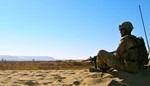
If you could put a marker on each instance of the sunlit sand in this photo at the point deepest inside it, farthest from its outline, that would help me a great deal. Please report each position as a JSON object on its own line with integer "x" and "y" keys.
{"x": 75, "y": 76}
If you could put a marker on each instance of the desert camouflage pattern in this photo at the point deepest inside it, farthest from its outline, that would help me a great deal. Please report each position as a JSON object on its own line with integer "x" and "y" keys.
{"x": 119, "y": 58}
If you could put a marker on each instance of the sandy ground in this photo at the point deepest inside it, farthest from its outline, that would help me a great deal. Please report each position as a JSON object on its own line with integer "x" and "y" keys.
{"x": 72, "y": 78}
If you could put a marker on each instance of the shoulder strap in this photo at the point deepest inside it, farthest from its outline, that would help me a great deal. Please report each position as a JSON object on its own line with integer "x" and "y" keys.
{"x": 134, "y": 41}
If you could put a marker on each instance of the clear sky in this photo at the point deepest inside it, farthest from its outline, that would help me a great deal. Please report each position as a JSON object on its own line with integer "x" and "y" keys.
{"x": 67, "y": 29}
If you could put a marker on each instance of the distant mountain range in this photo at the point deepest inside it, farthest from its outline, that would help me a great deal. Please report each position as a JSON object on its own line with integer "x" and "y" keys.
{"x": 26, "y": 58}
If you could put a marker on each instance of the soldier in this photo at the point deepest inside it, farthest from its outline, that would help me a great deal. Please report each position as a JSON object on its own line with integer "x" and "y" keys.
{"x": 124, "y": 58}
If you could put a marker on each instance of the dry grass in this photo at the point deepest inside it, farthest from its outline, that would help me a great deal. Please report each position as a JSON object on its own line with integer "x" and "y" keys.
{"x": 44, "y": 65}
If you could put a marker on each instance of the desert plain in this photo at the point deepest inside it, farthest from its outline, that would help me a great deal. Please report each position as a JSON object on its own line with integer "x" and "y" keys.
{"x": 66, "y": 73}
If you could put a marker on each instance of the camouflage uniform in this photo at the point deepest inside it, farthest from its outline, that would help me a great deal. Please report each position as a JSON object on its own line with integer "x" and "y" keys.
{"x": 117, "y": 59}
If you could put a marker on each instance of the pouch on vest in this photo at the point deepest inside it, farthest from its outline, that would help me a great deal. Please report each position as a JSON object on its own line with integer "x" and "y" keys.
{"x": 131, "y": 67}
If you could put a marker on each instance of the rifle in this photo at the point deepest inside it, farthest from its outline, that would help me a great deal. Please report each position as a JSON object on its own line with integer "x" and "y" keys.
{"x": 92, "y": 60}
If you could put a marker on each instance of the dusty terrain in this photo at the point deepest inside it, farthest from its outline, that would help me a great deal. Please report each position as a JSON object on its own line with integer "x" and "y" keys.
{"x": 66, "y": 73}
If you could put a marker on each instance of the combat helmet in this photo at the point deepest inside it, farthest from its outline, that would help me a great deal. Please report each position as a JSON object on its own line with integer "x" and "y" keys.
{"x": 126, "y": 25}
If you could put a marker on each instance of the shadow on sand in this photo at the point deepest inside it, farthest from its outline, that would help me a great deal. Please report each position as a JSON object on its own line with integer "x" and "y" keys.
{"x": 139, "y": 79}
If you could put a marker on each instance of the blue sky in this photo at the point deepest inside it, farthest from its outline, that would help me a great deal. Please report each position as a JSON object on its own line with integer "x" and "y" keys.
{"x": 67, "y": 29}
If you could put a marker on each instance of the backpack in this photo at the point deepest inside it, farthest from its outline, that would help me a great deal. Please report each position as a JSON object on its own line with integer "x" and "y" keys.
{"x": 141, "y": 59}
{"x": 142, "y": 51}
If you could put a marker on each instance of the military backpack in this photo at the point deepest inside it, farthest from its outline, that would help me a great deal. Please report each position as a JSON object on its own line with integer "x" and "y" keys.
{"x": 142, "y": 51}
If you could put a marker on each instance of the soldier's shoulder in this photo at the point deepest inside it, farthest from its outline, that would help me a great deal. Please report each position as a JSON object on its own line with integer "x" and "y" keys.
{"x": 126, "y": 37}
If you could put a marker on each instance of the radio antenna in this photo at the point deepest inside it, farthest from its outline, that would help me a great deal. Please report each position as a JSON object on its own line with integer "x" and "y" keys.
{"x": 144, "y": 29}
